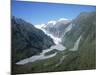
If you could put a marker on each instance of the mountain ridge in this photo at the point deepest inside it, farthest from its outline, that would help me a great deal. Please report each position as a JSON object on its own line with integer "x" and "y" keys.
{"x": 27, "y": 40}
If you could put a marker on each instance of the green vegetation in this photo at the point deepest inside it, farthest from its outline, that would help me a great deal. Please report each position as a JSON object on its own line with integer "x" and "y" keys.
{"x": 82, "y": 59}
{"x": 27, "y": 40}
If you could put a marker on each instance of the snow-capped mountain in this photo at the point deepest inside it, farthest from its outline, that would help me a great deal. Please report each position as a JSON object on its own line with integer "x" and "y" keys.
{"x": 54, "y": 27}
{"x": 77, "y": 50}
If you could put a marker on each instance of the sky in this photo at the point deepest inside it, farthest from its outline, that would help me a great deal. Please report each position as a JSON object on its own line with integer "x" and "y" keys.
{"x": 38, "y": 13}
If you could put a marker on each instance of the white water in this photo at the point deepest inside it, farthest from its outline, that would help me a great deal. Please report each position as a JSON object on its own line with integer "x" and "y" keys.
{"x": 42, "y": 55}
{"x": 75, "y": 48}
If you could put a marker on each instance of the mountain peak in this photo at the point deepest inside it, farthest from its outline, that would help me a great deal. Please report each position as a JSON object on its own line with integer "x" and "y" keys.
{"x": 52, "y": 22}
{"x": 63, "y": 19}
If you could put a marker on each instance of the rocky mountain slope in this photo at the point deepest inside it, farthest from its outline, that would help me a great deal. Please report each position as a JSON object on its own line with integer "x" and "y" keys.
{"x": 80, "y": 52}
{"x": 56, "y": 28}
{"x": 27, "y": 40}
{"x": 84, "y": 25}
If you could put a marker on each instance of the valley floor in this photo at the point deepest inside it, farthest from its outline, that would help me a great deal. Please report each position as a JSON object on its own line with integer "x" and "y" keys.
{"x": 62, "y": 60}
